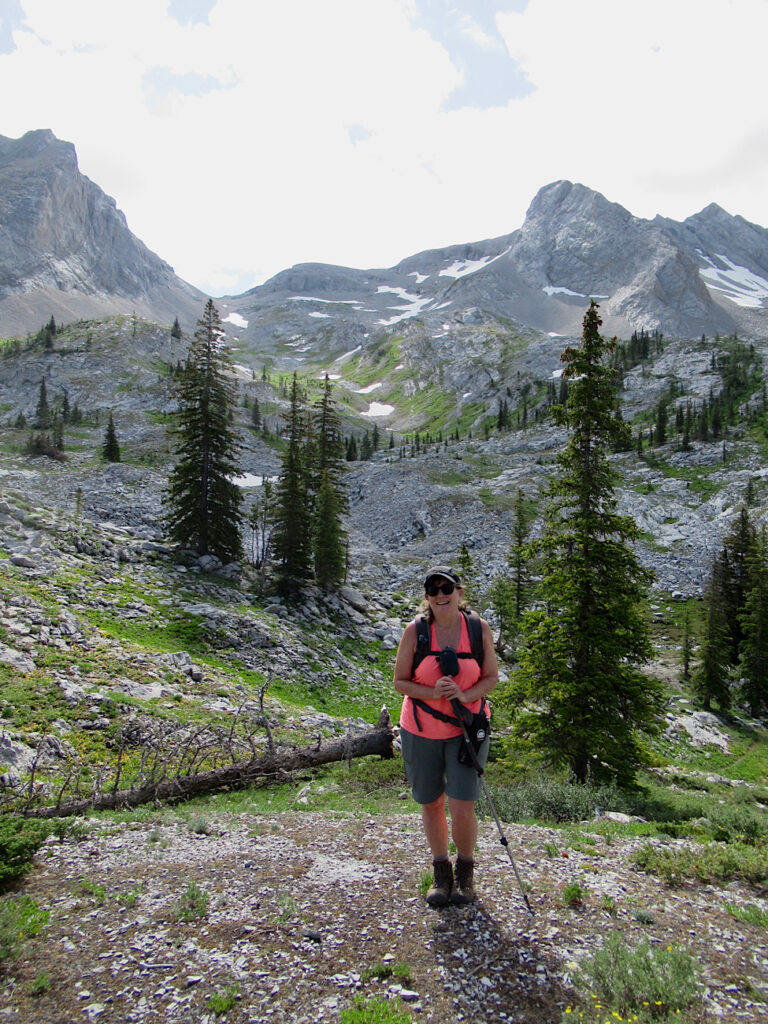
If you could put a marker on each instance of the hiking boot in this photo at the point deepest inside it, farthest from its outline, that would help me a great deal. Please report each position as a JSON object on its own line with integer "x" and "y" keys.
{"x": 440, "y": 891}
{"x": 464, "y": 891}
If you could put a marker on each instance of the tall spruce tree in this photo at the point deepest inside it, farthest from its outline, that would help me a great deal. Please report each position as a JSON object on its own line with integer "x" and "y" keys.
{"x": 42, "y": 419}
{"x": 110, "y": 449}
{"x": 332, "y": 503}
{"x": 202, "y": 500}
{"x": 711, "y": 679}
{"x": 739, "y": 549}
{"x": 587, "y": 700}
{"x": 328, "y": 536}
{"x": 754, "y": 648}
{"x": 292, "y": 533}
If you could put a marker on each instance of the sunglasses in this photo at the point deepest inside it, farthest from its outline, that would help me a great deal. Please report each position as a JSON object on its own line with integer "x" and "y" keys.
{"x": 444, "y": 588}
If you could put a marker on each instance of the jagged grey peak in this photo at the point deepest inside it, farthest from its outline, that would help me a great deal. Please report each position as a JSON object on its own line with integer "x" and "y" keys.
{"x": 574, "y": 241}
{"x": 66, "y": 248}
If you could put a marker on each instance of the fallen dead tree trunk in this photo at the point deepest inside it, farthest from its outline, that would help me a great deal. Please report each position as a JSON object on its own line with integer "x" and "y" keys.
{"x": 377, "y": 741}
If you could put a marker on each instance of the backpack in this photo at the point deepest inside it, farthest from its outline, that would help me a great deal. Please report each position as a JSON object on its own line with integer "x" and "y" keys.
{"x": 424, "y": 639}
{"x": 423, "y": 650}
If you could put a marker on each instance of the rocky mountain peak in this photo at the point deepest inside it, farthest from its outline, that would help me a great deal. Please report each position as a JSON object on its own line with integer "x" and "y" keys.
{"x": 66, "y": 248}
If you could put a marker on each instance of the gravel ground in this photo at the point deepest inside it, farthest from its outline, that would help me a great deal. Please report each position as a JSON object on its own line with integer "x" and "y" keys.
{"x": 301, "y": 905}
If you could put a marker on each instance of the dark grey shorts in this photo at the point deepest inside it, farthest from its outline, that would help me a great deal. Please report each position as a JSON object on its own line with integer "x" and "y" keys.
{"x": 432, "y": 768}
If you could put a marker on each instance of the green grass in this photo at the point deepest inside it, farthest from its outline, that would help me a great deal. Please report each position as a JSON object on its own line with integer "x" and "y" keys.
{"x": 192, "y": 905}
{"x": 384, "y": 971}
{"x": 20, "y": 919}
{"x": 222, "y": 1002}
{"x": 711, "y": 863}
{"x": 750, "y": 913}
{"x": 374, "y": 1011}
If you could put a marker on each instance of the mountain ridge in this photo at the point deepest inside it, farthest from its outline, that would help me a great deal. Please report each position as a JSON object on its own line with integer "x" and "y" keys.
{"x": 66, "y": 249}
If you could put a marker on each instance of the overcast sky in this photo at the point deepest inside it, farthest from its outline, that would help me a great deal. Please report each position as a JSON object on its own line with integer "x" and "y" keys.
{"x": 240, "y": 137}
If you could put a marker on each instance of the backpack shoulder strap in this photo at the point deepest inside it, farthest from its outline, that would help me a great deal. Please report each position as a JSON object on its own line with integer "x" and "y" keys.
{"x": 423, "y": 641}
{"x": 475, "y": 630}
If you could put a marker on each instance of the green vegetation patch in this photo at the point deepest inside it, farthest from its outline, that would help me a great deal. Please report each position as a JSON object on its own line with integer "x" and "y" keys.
{"x": 716, "y": 863}
{"x": 20, "y": 919}
{"x": 640, "y": 983}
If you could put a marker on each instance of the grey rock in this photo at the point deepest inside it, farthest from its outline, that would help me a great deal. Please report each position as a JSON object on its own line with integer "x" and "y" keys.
{"x": 354, "y": 597}
{"x": 14, "y": 754}
{"x": 17, "y": 660}
{"x": 24, "y": 561}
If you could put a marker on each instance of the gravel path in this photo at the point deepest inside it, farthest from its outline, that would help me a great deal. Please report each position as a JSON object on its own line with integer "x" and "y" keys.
{"x": 306, "y": 911}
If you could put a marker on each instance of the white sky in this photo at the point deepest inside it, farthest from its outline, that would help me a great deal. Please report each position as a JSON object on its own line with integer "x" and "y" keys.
{"x": 240, "y": 137}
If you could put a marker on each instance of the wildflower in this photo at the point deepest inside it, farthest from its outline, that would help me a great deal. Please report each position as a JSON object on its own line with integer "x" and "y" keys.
{"x": 567, "y": 1009}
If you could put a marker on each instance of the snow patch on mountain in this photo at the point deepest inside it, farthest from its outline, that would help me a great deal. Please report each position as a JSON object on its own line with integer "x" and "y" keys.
{"x": 379, "y": 409}
{"x": 236, "y": 320}
{"x": 739, "y": 284}
{"x": 551, "y": 290}
{"x": 330, "y": 302}
{"x": 415, "y": 305}
{"x": 461, "y": 268}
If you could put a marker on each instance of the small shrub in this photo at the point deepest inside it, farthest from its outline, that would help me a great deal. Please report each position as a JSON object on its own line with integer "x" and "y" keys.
{"x": 193, "y": 905}
{"x": 20, "y": 838}
{"x": 382, "y": 972}
{"x": 546, "y": 799}
{"x": 737, "y": 823}
{"x": 199, "y": 826}
{"x": 374, "y": 1011}
{"x": 20, "y": 919}
{"x": 573, "y": 894}
{"x": 642, "y": 984}
{"x": 129, "y": 898}
{"x": 644, "y": 917}
{"x": 425, "y": 882}
{"x": 95, "y": 890}
{"x": 41, "y": 984}
{"x": 222, "y": 1002}
{"x": 609, "y": 905}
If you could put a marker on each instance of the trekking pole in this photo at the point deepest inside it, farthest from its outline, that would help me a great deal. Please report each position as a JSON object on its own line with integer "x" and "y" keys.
{"x": 461, "y": 711}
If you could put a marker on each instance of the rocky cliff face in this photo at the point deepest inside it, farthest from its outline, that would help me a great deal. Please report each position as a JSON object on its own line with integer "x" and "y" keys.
{"x": 66, "y": 249}
{"x": 706, "y": 275}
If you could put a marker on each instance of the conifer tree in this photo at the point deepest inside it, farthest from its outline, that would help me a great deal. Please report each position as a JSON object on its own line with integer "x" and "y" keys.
{"x": 739, "y": 549}
{"x": 754, "y": 648}
{"x": 464, "y": 563}
{"x": 329, "y": 537}
{"x": 710, "y": 681}
{"x": 292, "y": 534}
{"x": 42, "y": 410}
{"x": 587, "y": 698}
{"x": 331, "y": 502}
{"x": 110, "y": 449}
{"x": 255, "y": 414}
{"x": 203, "y": 503}
{"x": 176, "y": 329}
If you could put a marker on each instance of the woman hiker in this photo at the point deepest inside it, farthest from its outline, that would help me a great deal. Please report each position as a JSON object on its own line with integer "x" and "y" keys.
{"x": 431, "y": 745}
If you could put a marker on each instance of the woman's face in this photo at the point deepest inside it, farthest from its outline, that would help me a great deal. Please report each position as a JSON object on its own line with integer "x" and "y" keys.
{"x": 441, "y": 600}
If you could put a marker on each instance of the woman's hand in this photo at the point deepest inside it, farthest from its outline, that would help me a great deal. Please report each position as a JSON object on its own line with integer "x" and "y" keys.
{"x": 447, "y": 687}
